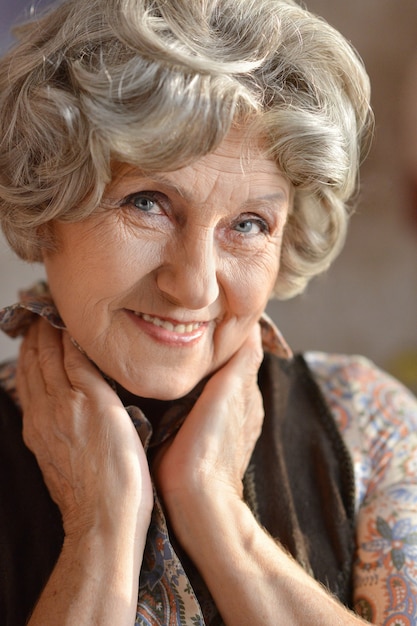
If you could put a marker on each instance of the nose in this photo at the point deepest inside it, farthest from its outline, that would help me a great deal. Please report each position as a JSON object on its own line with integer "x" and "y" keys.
{"x": 188, "y": 275}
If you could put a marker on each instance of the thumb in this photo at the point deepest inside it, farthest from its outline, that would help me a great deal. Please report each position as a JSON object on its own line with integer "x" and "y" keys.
{"x": 248, "y": 358}
{"x": 242, "y": 367}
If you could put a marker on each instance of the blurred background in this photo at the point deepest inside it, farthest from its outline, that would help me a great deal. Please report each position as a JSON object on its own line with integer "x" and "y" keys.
{"x": 367, "y": 302}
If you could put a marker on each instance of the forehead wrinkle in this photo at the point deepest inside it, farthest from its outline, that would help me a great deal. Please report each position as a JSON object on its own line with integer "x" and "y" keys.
{"x": 279, "y": 198}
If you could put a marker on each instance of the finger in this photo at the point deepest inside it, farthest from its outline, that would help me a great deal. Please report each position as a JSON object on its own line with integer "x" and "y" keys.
{"x": 29, "y": 344}
{"x": 41, "y": 376}
{"x": 81, "y": 372}
{"x": 250, "y": 355}
{"x": 242, "y": 366}
{"x": 40, "y": 360}
{"x": 28, "y": 375}
{"x": 50, "y": 351}
{"x": 61, "y": 363}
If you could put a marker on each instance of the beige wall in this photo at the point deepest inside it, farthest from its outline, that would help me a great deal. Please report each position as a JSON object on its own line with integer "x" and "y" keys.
{"x": 367, "y": 302}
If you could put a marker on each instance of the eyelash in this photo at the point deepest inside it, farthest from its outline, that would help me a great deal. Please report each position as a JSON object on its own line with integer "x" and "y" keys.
{"x": 152, "y": 196}
{"x": 261, "y": 223}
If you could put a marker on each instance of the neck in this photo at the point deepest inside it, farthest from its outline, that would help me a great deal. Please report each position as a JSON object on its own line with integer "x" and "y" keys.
{"x": 152, "y": 408}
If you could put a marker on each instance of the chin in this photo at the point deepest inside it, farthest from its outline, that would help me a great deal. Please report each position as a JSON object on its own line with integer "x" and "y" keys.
{"x": 165, "y": 392}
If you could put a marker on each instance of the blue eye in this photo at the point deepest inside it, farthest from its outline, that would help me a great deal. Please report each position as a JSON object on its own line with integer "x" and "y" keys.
{"x": 143, "y": 203}
{"x": 146, "y": 202}
{"x": 251, "y": 226}
{"x": 245, "y": 226}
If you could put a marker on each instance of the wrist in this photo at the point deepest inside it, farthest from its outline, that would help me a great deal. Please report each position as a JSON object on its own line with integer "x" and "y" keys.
{"x": 95, "y": 580}
{"x": 110, "y": 518}
{"x": 205, "y": 518}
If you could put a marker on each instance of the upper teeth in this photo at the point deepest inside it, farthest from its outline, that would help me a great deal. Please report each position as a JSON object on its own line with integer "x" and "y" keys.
{"x": 177, "y": 328}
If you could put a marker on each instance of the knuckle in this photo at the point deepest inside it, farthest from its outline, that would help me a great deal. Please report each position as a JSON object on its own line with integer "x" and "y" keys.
{"x": 27, "y": 358}
{"x": 48, "y": 357}
{"x": 72, "y": 364}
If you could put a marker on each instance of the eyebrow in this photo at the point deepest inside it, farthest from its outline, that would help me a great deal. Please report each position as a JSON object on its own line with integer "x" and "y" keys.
{"x": 169, "y": 184}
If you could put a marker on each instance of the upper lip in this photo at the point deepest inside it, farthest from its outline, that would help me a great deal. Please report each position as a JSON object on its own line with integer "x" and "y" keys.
{"x": 173, "y": 320}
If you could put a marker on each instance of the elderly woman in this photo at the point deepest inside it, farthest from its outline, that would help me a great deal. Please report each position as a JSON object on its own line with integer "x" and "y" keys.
{"x": 174, "y": 165}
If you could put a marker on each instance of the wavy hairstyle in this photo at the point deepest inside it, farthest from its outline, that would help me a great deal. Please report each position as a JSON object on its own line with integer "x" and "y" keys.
{"x": 158, "y": 84}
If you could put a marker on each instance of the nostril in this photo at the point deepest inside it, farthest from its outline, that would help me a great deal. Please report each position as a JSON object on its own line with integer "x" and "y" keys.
{"x": 188, "y": 286}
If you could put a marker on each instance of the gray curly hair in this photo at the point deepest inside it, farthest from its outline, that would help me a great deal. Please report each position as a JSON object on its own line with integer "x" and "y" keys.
{"x": 158, "y": 84}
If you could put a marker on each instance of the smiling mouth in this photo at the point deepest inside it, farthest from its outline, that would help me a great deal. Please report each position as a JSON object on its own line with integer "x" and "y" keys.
{"x": 181, "y": 329}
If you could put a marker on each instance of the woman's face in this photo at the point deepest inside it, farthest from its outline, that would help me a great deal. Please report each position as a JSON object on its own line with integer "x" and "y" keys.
{"x": 162, "y": 284}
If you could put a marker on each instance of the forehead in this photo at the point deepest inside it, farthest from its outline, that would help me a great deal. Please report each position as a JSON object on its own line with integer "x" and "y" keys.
{"x": 236, "y": 168}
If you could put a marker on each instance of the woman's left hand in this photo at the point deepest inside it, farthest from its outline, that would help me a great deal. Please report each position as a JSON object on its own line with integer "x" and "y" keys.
{"x": 199, "y": 477}
{"x": 209, "y": 455}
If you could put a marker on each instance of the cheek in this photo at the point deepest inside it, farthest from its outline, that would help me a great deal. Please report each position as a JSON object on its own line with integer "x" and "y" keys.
{"x": 98, "y": 256}
{"x": 252, "y": 283}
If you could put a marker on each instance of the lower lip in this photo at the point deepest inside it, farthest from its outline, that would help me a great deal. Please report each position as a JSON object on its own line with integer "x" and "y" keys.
{"x": 162, "y": 335}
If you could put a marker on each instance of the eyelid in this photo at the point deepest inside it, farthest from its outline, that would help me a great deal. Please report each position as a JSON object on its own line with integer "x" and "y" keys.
{"x": 156, "y": 196}
{"x": 263, "y": 223}
{"x": 146, "y": 192}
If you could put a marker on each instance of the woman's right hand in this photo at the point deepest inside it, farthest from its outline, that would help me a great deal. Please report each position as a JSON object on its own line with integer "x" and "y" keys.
{"x": 95, "y": 468}
{"x": 85, "y": 443}
{"x": 88, "y": 450}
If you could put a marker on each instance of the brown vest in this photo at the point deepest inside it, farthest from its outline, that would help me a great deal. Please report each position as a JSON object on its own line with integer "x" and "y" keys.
{"x": 300, "y": 479}
{"x": 299, "y": 485}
